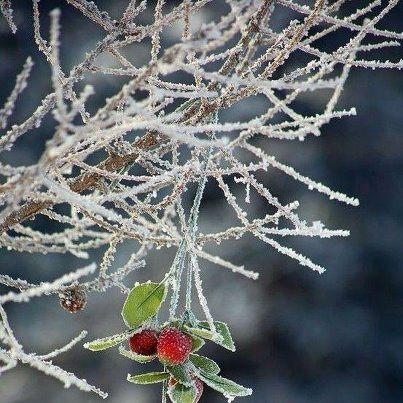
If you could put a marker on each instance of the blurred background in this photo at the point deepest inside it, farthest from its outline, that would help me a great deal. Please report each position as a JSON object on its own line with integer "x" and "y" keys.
{"x": 301, "y": 337}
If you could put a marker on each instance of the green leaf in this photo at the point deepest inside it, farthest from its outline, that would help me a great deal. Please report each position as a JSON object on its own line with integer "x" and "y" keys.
{"x": 182, "y": 394}
{"x": 223, "y": 331}
{"x": 205, "y": 364}
{"x": 142, "y": 303}
{"x": 225, "y": 386}
{"x": 206, "y": 334}
{"x": 136, "y": 357}
{"x": 224, "y": 339}
{"x": 197, "y": 342}
{"x": 151, "y": 377}
{"x": 180, "y": 374}
{"x": 106, "y": 342}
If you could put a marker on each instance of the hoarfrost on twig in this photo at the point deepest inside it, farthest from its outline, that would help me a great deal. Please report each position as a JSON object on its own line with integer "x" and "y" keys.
{"x": 162, "y": 134}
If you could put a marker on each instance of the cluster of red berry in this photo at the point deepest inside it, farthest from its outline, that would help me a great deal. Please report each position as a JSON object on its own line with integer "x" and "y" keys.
{"x": 174, "y": 344}
{"x": 171, "y": 346}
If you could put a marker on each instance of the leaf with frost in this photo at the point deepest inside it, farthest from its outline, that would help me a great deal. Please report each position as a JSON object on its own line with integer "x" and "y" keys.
{"x": 180, "y": 393}
{"x": 142, "y": 303}
{"x": 224, "y": 386}
{"x": 204, "y": 364}
{"x": 106, "y": 342}
{"x": 197, "y": 342}
{"x": 222, "y": 336}
{"x": 136, "y": 357}
{"x": 200, "y": 332}
{"x": 224, "y": 332}
{"x": 146, "y": 379}
{"x": 181, "y": 374}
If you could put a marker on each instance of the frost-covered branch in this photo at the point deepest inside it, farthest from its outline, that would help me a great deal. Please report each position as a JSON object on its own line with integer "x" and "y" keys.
{"x": 161, "y": 134}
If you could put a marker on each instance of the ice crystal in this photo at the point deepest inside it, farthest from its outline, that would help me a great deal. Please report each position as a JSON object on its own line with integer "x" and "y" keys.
{"x": 137, "y": 191}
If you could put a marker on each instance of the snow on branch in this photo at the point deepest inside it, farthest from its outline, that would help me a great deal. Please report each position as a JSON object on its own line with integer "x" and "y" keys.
{"x": 20, "y": 84}
{"x": 7, "y": 11}
{"x": 163, "y": 132}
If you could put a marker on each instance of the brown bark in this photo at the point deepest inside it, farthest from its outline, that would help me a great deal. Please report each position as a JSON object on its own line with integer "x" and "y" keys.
{"x": 83, "y": 182}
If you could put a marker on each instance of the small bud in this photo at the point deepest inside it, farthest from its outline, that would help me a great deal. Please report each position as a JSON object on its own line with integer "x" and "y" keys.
{"x": 73, "y": 299}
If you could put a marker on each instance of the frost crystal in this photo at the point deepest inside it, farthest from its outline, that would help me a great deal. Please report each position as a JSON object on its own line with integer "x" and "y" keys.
{"x": 137, "y": 192}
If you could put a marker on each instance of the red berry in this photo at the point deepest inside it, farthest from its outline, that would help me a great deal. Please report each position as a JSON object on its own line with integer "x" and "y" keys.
{"x": 197, "y": 383}
{"x": 173, "y": 346}
{"x": 144, "y": 343}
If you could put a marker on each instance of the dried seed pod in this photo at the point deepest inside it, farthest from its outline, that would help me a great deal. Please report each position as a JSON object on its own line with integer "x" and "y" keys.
{"x": 73, "y": 299}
